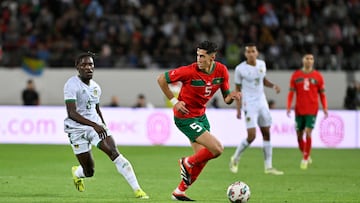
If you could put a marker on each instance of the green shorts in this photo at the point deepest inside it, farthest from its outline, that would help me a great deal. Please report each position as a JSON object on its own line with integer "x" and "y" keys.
{"x": 193, "y": 127}
{"x": 306, "y": 121}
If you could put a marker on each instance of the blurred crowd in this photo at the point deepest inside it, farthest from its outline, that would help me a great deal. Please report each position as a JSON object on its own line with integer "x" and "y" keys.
{"x": 164, "y": 33}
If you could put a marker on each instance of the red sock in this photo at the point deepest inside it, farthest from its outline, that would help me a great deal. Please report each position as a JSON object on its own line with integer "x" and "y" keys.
{"x": 196, "y": 171}
{"x": 202, "y": 156}
{"x": 182, "y": 186}
{"x": 301, "y": 144}
{"x": 307, "y": 148}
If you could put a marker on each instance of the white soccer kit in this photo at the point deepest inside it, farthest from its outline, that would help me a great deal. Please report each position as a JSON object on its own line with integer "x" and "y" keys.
{"x": 86, "y": 97}
{"x": 254, "y": 103}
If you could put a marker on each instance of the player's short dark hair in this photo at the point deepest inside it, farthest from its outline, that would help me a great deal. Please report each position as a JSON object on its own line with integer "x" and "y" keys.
{"x": 210, "y": 47}
{"x": 83, "y": 55}
{"x": 250, "y": 44}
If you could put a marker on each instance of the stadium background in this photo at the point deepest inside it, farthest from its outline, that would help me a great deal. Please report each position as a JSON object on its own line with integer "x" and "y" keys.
{"x": 136, "y": 40}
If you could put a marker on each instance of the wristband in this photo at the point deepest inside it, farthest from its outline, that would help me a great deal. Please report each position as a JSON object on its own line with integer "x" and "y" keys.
{"x": 174, "y": 100}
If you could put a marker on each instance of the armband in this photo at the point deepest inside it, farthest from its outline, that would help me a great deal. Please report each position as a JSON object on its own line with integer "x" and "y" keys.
{"x": 174, "y": 100}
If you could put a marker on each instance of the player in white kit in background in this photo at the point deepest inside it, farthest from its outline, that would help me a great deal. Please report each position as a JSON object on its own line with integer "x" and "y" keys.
{"x": 250, "y": 79}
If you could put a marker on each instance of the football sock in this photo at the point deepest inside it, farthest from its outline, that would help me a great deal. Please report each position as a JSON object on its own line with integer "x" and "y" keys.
{"x": 267, "y": 149}
{"x": 181, "y": 188}
{"x": 239, "y": 149}
{"x": 307, "y": 148}
{"x": 124, "y": 167}
{"x": 79, "y": 172}
{"x": 301, "y": 144}
{"x": 196, "y": 171}
{"x": 203, "y": 155}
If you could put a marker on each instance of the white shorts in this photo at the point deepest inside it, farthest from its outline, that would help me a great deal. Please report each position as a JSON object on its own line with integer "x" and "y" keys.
{"x": 257, "y": 116}
{"x": 82, "y": 138}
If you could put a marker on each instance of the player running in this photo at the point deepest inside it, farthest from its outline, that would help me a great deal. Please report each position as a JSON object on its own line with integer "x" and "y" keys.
{"x": 200, "y": 81}
{"x": 308, "y": 84}
{"x": 85, "y": 126}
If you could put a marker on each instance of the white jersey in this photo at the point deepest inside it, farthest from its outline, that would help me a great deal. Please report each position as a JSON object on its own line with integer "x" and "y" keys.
{"x": 251, "y": 79}
{"x": 86, "y": 98}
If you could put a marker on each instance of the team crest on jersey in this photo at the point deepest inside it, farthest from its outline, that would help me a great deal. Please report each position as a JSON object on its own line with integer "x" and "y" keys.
{"x": 95, "y": 92}
{"x": 312, "y": 81}
{"x": 76, "y": 146}
{"x": 248, "y": 119}
{"x": 261, "y": 69}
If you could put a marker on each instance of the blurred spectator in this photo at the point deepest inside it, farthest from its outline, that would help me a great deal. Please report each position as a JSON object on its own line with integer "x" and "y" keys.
{"x": 351, "y": 100}
{"x": 114, "y": 102}
{"x": 272, "y": 104}
{"x": 153, "y": 34}
{"x": 142, "y": 103}
{"x": 30, "y": 96}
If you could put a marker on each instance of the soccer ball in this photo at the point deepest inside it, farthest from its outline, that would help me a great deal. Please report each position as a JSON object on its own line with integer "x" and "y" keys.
{"x": 238, "y": 192}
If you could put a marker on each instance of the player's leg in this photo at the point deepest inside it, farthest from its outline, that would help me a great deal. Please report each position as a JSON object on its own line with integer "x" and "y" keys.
{"x": 309, "y": 125}
{"x": 82, "y": 150}
{"x": 251, "y": 119}
{"x": 265, "y": 121}
{"x": 179, "y": 192}
{"x": 205, "y": 147}
{"x": 300, "y": 126}
{"x": 123, "y": 166}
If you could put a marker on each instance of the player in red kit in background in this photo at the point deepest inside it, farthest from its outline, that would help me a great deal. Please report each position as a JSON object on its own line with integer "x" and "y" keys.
{"x": 200, "y": 80}
{"x": 308, "y": 84}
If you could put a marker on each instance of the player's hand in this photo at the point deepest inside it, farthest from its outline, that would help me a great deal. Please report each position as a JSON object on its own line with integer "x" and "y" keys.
{"x": 288, "y": 111}
{"x": 277, "y": 89}
{"x": 180, "y": 107}
{"x": 101, "y": 131}
{"x": 238, "y": 114}
{"x": 326, "y": 114}
{"x": 235, "y": 95}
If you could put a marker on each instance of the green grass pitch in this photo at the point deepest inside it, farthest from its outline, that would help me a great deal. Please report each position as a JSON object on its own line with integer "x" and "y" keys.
{"x": 42, "y": 173}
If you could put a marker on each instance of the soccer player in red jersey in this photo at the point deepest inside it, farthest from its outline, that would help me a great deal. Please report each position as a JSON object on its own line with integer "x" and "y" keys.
{"x": 200, "y": 80}
{"x": 308, "y": 84}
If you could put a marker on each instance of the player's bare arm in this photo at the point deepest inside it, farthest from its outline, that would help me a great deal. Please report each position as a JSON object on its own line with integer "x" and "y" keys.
{"x": 164, "y": 86}
{"x": 74, "y": 115}
{"x": 238, "y": 102}
{"x": 269, "y": 84}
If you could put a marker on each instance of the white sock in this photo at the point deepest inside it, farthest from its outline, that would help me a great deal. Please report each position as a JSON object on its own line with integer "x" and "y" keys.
{"x": 239, "y": 150}
{"x": 178, "y": 191}
{"x": 124, "y": 167}
{"x": 80, "y": 172}
{"x": 267, "y": 149}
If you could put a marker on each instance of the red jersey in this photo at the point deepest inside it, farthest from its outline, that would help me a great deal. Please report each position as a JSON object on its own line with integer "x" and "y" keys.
{"x": 308, "y": 87}
{"x": 198, "y": 87}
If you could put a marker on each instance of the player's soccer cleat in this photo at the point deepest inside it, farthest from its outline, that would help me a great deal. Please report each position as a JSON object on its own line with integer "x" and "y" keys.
{"x": 78, "y": 182}
{"x": 181, "y": 197}
{"x": 304, "y": 164}
{"x": 185, "y": 171}
{"x": 141, "y": 194}
{"x": 233, "y": 165}
{"x": 273, "y": 171}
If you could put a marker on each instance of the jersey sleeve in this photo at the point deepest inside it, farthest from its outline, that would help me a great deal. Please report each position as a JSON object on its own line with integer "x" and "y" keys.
{"x": 292, "y": 82}
{"x": 225, "y": 86}
{"x": 69, "y": 91}
{"x": 177, "y": 74}
{"x": 237, "y": 75}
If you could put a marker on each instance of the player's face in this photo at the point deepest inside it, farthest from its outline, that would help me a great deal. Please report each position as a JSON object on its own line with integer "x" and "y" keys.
{"x": 86, "y": 68}
{"x": 251, "y": 53}
{"x": 204, "y": 60}
{"x": 308, "y": 61}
